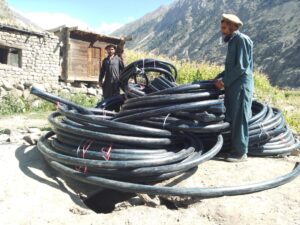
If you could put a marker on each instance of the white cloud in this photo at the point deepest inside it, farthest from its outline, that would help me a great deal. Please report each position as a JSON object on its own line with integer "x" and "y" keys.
{"x": 48, "y": 21}
{"x": 130, "y": 19}
{"x": 51, "y": 20}
{"x": 108, "y": 28}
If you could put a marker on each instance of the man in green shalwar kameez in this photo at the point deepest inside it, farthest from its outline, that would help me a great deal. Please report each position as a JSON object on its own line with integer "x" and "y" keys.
{"x": 237, "y": 79}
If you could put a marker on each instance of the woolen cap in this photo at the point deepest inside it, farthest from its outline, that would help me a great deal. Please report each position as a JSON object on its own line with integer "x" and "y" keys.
{"x": 232, "y": 18}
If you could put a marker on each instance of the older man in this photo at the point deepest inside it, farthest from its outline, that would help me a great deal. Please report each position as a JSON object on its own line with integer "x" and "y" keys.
{"x": 237, "y": 79}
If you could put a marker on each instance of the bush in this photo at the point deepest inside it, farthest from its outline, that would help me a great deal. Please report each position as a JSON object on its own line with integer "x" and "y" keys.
{"x": 286, "y": 100}
{"x": 12, "y": 105}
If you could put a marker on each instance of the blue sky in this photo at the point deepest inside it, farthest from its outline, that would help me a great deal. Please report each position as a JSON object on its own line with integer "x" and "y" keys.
{"x": 102, "y": 16}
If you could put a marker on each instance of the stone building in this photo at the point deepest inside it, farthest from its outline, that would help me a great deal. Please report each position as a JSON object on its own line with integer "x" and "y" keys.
{"x": 28, "y": 54}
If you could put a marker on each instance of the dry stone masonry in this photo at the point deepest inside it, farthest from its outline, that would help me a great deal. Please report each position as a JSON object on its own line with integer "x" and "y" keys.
{"x": 35, "y": 59}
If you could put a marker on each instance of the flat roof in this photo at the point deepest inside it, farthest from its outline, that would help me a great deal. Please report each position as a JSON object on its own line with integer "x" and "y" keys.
{"x": 78, "y": 33}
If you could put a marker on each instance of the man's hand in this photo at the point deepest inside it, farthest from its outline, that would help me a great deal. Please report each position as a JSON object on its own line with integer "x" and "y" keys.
{"x": 219, "y": 84}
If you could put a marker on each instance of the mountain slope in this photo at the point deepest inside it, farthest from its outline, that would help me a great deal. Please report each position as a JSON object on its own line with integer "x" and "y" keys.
{"x": 11, "y": 18}
{"x": 189, "y": 29}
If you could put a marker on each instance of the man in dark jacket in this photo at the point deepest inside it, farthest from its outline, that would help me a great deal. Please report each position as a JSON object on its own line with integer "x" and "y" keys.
{"x": 112, "y": 66}
{"x": 237, "y": 79}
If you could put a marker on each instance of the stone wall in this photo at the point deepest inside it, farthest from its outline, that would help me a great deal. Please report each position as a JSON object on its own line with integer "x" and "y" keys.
{"x": 39, "y": 60}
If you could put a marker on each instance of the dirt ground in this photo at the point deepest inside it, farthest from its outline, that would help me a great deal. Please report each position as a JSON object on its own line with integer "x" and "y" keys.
{"x": 32, "y": 193}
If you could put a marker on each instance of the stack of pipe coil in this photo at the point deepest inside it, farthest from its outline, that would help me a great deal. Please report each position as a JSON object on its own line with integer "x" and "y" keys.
{"x": 163, "y": 130}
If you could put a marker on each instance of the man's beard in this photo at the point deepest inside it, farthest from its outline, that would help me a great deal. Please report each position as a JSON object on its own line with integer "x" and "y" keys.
{"x": 226, "y": 38}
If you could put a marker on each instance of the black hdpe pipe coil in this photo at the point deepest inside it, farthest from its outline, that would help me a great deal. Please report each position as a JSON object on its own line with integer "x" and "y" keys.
{"x": 138, "y": 167}
{"x": 175, "y": 191}
{"x": 162, "y": 130}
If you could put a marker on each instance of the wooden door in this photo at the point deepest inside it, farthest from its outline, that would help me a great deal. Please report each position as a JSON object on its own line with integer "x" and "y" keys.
{"x": 78, "y": 55}
{"x": 94, "y": 63}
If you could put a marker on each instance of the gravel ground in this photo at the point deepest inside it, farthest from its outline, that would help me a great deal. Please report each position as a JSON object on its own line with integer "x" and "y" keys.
{"x": 32, "y": 193}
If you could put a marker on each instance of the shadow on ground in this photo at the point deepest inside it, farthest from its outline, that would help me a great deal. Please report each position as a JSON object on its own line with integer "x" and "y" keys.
{"x": 84, "y": 195}
{"x": 30, "y": 158}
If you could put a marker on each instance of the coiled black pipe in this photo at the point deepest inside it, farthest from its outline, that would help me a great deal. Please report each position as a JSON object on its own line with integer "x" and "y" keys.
{"x": 163, "y": 130}
{"x": 175, "y": 191}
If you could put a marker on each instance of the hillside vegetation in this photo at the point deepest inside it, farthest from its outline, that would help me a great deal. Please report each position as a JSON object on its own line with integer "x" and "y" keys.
{"x": 286, "y": 100}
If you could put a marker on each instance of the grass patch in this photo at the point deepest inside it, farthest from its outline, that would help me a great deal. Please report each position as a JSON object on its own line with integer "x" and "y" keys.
{"x": 286, "y": 100}
{"x": 10, "y": 104}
